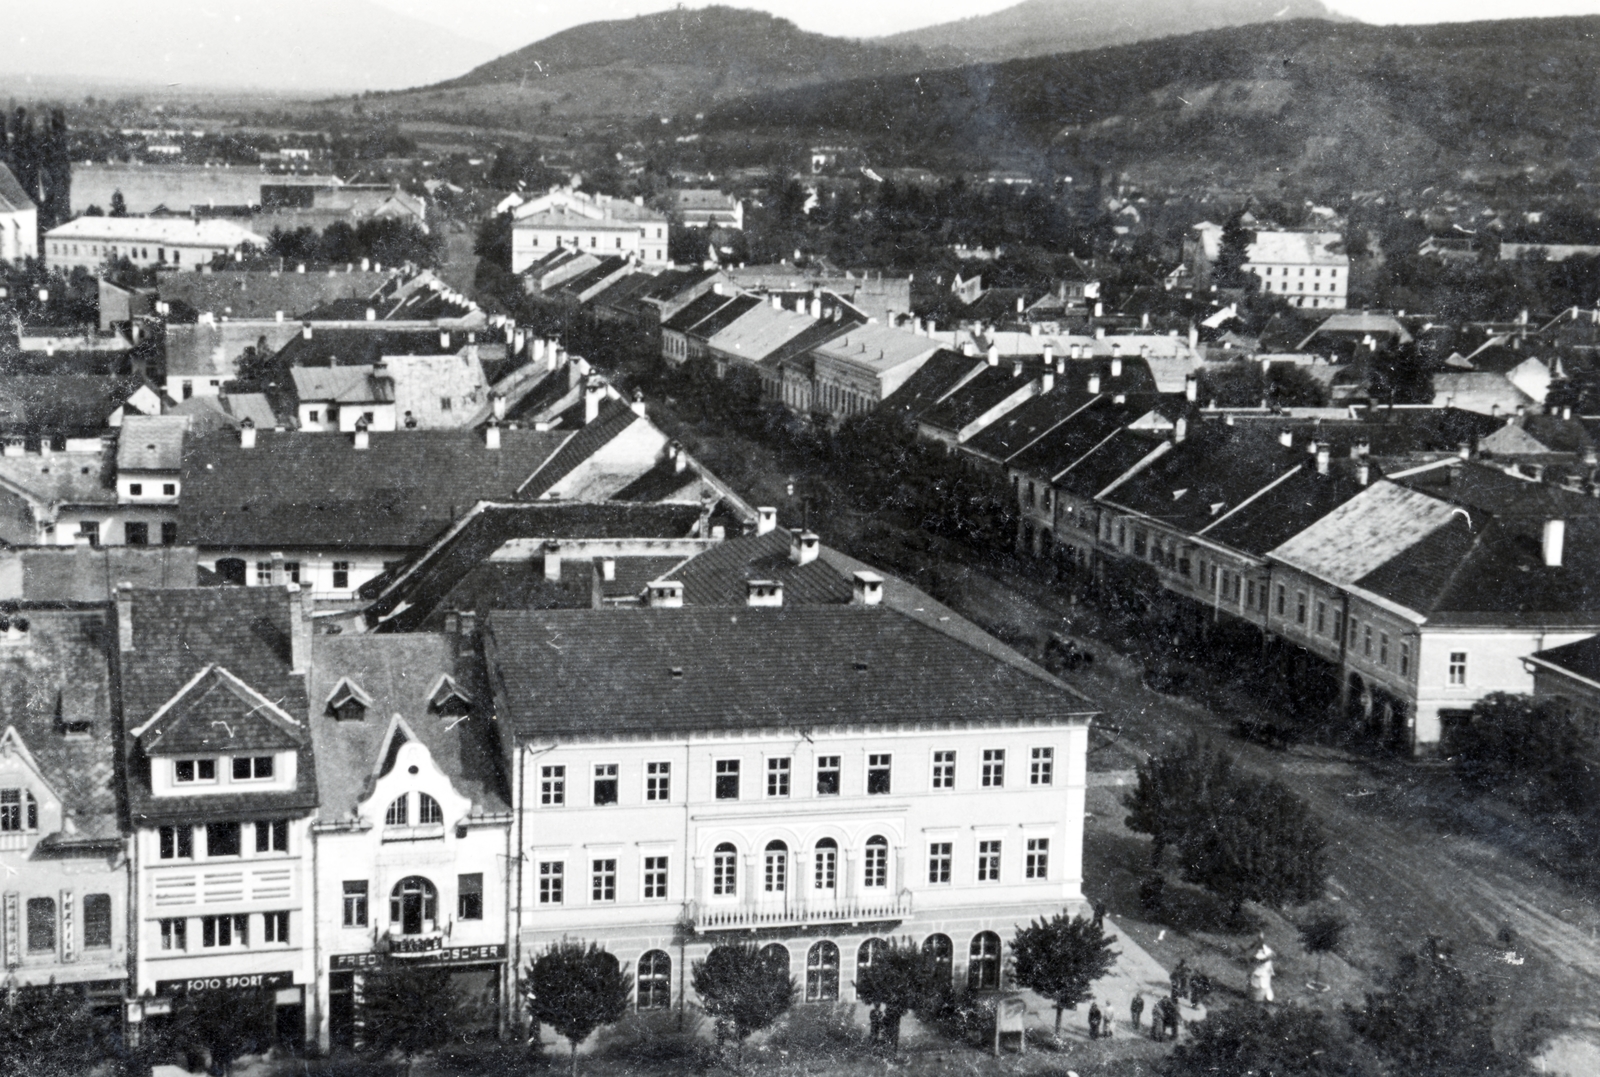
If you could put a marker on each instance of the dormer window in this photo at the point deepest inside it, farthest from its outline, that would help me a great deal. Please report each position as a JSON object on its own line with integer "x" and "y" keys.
{"x": 19, "y": 811}
{"x": 347, "y": 702}
{"x": 185, "y": 771}
{"x": 252, "y": 768}
{"x": 447, "y": 698}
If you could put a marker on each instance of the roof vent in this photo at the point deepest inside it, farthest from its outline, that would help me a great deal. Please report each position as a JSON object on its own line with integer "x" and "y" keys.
{"x": 867, "y": 589}
{"x": 1555, "y": 537}
{"x": 664, "y": 594}
{"x": 766, "y": 520}
{"x": 552, "y": 561}
{"x": 803, "y": 546}
{"x": 763, "y": 593}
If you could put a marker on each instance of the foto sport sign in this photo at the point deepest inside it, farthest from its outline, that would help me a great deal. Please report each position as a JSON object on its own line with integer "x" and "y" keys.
{"x": 249, "y": 981}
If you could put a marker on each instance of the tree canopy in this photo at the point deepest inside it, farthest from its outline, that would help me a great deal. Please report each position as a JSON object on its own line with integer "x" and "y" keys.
{"x": 901, "y": 978}
{"x": 406, "y": 1009}
{"x": 50, "y": 1032}
{"x": 575, "y": 989}
{"x": 742, "y": 990}
{"x": 1061, "y": 958}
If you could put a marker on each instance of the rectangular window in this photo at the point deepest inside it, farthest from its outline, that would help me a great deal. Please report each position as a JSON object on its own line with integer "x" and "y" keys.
{"x": 875, "y": 866}
{"x": 90, "y": 529}
{"x": 944, "y": 770}
{"x": 1338, "y": 625}
{"x": 136, "y": 534}
{"x": 1038, "y": 864}
{"x": 988, "y": 861}
{"x": 878, "y": 774}
{"x": 41, "y": 925}
{"x": 1322, "y": 616}
{"x": 1250, "y": 594}
{"x": 658, "y": 781}
{"x": 355, "y": 903}
{"x": 177, "y": 843}
{"x": 18, "y": 811}
{"x": 224, "y": 931}
{"x": 175, "y": 935}
{"x": 552, "y": 879}
{"x": 939, "y": 861}
{"x": 249, "y": 768}
{"x": 605, "y": 784}
{"x": 1405, "y": 657}
{"x": 314, "y": 416}
{"x": 169, "y": 489}
{"x": 341, "y": 575}
{"x": 169, "y": 533}
{"x": 96, "y": 921}
{"x": 263, "y": 573}
{"x": 1042, "y": 767}
{"x": 1458, "y": 668}
{"x": 777, "y": 777}
{"x": 222, "y": 839}
{"x": 655, "y": 878}
{"x": 1282, "y": 594}
{"x": 827, "y": 775}
{"x": 1366, "y": 640}
{"x": 1300, "y": 607}
{"x": 1383, "y": 648}
{"x": 727, "y": 779}
{"x": 994, "y": 768}
{"x": 444, "y": 403}
{"x": 272, "y": 836}
{"x": 275, "y": 927}
{"x": 553, "y": 785}
{"x": 194, "y": 770}
{"x": 605, "y": 880}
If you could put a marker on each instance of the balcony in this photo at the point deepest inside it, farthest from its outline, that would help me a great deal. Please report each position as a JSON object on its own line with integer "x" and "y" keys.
{"x": 745, "y": 917}
{"x": 397, "y": 945}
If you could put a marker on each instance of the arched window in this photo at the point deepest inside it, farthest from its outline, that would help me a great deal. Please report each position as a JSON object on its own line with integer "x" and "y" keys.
{"x": 822, "y": 973}
{"x": 399, "y": 813}
{"x": 983, "y": 965}
{"x": 428, "y": 810}
{"x": 942, "y": 952}
{"x": 877, "y": 862}
{"x": 655, "y": 980}
{"x": 869, "y": 952}
{"x": 776, "y": 874}
{"x": 725, "y": 870}
{"x": 414, "y": 905}
{"x": 826, "y": 875}
{"x": 776, "y": 955}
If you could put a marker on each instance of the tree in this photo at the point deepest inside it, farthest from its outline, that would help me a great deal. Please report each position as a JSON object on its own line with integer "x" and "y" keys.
{"x": 1527, "y": 750}
{"x": 1233, "y": 252}
{"x": 406, "y": 1009}
{"x": 575, "y": 989}
{"x": 1173, "y": 790}
{"x": 50, "y": 1031}
{"x": 224, "y": 1025}
{"x": 1321, "y": 935}
{"x": 1252, "y": 1041}
{"x": 119, "y": 204}
{"x": 1258, "y": 842}
{"x": 1061, "y": 958}
{"x": 1432, "y": 1020}
{"x": 902, "y": 978}
{"x": 743, "y": 991}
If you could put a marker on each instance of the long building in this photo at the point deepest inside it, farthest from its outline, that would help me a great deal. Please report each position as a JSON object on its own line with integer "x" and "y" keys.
{"x": 169, "y": 242}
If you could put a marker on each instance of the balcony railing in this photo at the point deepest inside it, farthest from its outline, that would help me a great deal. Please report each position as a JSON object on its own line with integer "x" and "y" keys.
{"x": 733, "y": 917}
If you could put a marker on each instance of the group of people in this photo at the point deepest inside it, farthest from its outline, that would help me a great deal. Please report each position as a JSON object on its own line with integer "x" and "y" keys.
{"x": 1186, "y": 983}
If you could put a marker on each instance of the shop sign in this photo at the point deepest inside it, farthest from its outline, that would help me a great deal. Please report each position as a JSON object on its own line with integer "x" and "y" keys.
{"x": 449, "y": 955}
{"x": 252, "y": 981}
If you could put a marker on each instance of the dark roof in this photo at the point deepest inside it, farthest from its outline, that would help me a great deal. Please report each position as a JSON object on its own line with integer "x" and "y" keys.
{"x": 61, "y": 675}
{"x": 979, "y": 395}
{"x": 400, "y": 673}
{"x": 214, "y": 713}
{"x": 261, "y": 294}
{"x": 91, "y": 573}
{"x": 500, "y": 585}
{"x": 624, "y": 289}
{"x": 13, "y": 199}
{"x": 179, "y": 634}
{"x": 678, "y": 671}
{"x": 1214, "y": 469}
{"x": 697, "y": 311}
{"x": 609, "y": 267}
{"x": 1072, "y": 440}
{"x": 426, "y": 584}
{"x": 942, "y": 373}
{"x": 717, "y": 577}
{"x": 662, "y": 482}
{"x": 1023, "y": 425}
{"x": 297, "y": 489}
{"x": 675, "y": 282}
{"x": 724, "y": 316}
{"x": 613, "y": 419}
{"x": 1107, "y": 461}
{"x": 363, "y": 347}
{"x": 66, "y": 405}
{"x": 813, "y": 335}
{"x": 1289, "y": 507}
{"x": 1581, "y": 659}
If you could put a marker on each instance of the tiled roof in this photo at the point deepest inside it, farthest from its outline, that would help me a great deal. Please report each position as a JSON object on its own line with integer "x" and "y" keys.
{"x": 216, "y": 712}
{"x": 74, "y": 478}
{"x": 66, "y": 405}
{"x": 614, "y": 418}
{"x": 177, "y": 635}
{"x": 297, "y": 490}
{"x": 13, "y": 199}
{"x": 664, "y": 482}
{"x": 151, "y": 443}
{"x": 696, "y": 312}
{"x": 717, "y": 577}
{"x": 1215, "y": 469}
{"x": 262, "y": 293}
{"x": 364, "y": 347}
{"x": 942, "y": 374}
{"x": 398, "y": 673}
{"x": 91, "y": 573}
{"x": 677, "y": 671}
{"x": 62, "y": 674}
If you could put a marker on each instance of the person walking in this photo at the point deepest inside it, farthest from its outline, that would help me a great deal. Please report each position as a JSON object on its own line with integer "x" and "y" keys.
{"x": 1094, "y": 1020}
{"x": 1172, "y": 1018}
{"x": 1136, "y": 1009}
{"x": 1180, "y": 979}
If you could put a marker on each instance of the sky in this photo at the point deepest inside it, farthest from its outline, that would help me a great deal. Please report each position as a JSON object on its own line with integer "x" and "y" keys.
{"x": 513, "y": 23}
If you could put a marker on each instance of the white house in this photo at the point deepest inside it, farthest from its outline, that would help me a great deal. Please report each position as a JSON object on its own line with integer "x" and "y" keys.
{"x": 175, "y": 242}
{"x": 19, "y": 220}
{"x": 594, "y": 224}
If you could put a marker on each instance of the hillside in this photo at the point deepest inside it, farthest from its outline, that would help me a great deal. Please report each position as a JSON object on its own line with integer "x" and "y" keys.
{"x": 1342, "y": 105}
{"x": 1042, "y": 27}
{"x": 668, "y": 62}
{"x": 292, "y": 45}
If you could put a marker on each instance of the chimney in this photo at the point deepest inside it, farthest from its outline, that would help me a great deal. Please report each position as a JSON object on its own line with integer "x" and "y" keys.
{"x": 766, "y": 520}
{"x": 277, "y": 315}
{"x": 1094, "y": 383}
{"x": 491, "y": 434}
{"x": 606, "y": 568}
{"x": 444, "y": 340}
{"x": 1322, "y": 459}
{"x": 300, "y": 608}
{"x": 1191, "y": 388}
{"x": 1555, "y": 536}
{"x": 372, "y": 314}
{"x": 1047, "y": 380}
{"x": 362, "y": 441}
{"x": 1019, "y": 304}
{"x": 594, "y": 390}
{"x": 552, "y": 561}
{"x": 247, "y": 433}
{"x": 968, "y": 349}
{"x": 763, "y": 593}
{"x": 1049, "y": 356}
{"x": 777, "y": 301}
{"x": 1363, "y": 473}
{"x": 124, "y": 616}
{"x": 1180, "y": 430}
{"x": 1286, "y": 438}
{"x": 803, "y": 546}
{"x": 866, "y": 589}
{"x": 816, "y": 309}
{"x": 497, "y": 403}
{"x": 680, "y": 459}
{"x": 994, "y": 355}
{"x": 664, "y": 595}
{"x": 1116, "y": 362}
{"x": 1016, "y": 368}
{"x": 305, "y": 330}
{"x": 638, "y": 403}
{"x": 277, "y": 568}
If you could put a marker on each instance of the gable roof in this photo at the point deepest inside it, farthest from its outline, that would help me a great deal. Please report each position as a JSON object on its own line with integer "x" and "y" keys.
{"x": 64, "y": 405}
{"x": 216, "y": 712}
{"x": 13, "y": 199}
{"x": 613, "y": 419}
{"x": 341, "y": 385}
{"x": 151, "y": 443}
{"x": 672, "y": 672}
{"x": 236, "y": 293}
{"x": 1580, "y": 659}
{"x": 697, "y": 311}
{"x": 717, "y": 577}
{"x": 944, "y": 372}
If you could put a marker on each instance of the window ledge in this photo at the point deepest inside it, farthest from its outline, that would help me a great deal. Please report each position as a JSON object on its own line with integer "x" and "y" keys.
{"x": 433, "y": 831}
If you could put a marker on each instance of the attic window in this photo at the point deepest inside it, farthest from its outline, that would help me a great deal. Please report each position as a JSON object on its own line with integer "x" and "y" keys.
{"x": 677, "y": 671}
{"x": 347, "y": 702}
{"x": 447, "y": 698}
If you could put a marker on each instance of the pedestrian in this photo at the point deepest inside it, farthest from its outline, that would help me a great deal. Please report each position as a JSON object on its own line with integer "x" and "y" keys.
{"x": 876, "y": 1017}
{"x": 1158, "y": 1020}
{"x": 1172, "y": 1018}
{"x": 1199, "y": 988}
{"x": 1136, "y": 1008}
{"x": 1094, "y": 1020}
{"x": 1180, "y": 979}
{"x": 1099, "y": 913}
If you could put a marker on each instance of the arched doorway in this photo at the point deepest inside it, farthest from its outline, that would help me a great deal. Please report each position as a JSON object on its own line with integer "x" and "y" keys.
{"x": 414, "y": 905}
{"x": 822, "y": 973}
{"x": 655, "y": 980}
{"x": 983, "y": 962}
{"x": 942, "y": 952}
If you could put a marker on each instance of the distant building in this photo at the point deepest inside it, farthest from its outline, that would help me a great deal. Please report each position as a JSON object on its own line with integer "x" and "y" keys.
{"x": 1547, "y": 252}
{"x": 595, "y": 224}
{"x": 177, "y": 243}
{"x": 1302, "y": 267}
{"x": 177, "y": 187}
{"x": 698, "y": 208}
{"x": 19, "y": 220}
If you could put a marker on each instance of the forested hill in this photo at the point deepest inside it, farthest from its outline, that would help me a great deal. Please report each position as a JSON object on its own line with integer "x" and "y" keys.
{"x": 1041, "y": 27}
{"x": 1345, "y": 102}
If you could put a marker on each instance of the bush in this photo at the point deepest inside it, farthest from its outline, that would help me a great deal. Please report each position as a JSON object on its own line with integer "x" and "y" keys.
{"x": 818, "y": 1030}
{"x": 656, "y": 1038}
{"x": 963, "y": 1017}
